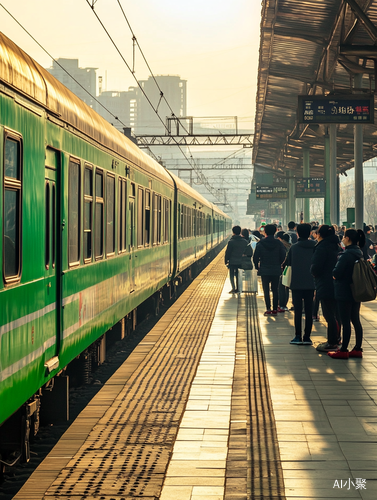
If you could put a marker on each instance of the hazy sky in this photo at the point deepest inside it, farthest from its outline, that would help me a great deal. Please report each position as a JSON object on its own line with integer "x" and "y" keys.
{"x": 212, "y": 44}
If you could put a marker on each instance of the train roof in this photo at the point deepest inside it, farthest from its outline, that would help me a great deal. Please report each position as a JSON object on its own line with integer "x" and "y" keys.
{"x": 19, "y": 71}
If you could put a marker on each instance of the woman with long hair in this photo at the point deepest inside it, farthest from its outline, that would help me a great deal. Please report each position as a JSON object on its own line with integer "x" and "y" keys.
{"x": 348, "y": 308}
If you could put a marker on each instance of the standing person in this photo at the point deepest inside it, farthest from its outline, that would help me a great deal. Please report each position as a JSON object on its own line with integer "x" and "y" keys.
{"x": 268, "y": 257}
{"x": 233, "y": 255}
{"x": 314, "y": 236}
{"x": 349, "y": 309}
{"x": 323, "y": 262}
{"x": 248, "y": 252}
{"x": 283, "y": 290}
{"x": 369, "y": 245}
{"x": 292, "y": 232}
{"x": 302, "y": 283}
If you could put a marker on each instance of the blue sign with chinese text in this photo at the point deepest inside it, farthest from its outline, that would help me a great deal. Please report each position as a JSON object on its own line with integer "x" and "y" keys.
{"x": 336, "y": 109}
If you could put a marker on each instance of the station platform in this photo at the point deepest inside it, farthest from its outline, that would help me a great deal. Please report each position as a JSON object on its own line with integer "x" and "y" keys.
{"x": 215, "y": 404}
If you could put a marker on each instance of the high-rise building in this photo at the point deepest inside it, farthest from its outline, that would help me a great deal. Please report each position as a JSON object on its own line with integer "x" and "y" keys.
{"x": 83, "y": 78}
{"x": 144, "y": 120}
{"x": 118, "y": 105}
{"x": 131, "y": 106}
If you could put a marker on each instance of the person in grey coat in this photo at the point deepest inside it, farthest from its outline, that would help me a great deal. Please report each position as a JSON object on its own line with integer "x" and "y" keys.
{"x": 233, "y": 256}
{"x": 302, "y": 283}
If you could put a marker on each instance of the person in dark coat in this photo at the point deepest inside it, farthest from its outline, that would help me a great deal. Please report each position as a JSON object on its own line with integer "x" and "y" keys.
{"x": 233, "y": 256}
{"x": 248, "y": 252}
{"x": 268, "y": 257}
{"x": 368, "y": 249}
{"x": 302, "y": 283}
{"x": 349, "y": 309}
{"x": 323, "y": 262}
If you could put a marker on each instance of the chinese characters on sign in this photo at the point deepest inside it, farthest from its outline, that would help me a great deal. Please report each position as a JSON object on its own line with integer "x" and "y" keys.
{"x": 336, "y": 109}
{"x": 359, "y": 484}
{"x": 271, "y": 192}
{"x": 310, "y": 187}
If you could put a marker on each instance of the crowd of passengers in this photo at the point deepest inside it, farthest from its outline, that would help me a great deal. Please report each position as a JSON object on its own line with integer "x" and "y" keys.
{"x": 321, "y": 260}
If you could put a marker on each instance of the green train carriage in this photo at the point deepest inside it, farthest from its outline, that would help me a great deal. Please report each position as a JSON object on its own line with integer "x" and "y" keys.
{"x": 91, "y": 228}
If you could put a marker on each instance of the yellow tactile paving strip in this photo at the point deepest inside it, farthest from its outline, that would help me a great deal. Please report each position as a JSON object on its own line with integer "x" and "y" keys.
{"x": 325, "y": 411}
{"x": 120, "y": 445}
{"x": 198, "y": 465}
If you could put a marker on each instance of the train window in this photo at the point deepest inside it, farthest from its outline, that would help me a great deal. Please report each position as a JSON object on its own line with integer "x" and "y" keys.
{"x": 140, "y": 217}
{"x": 74, "y": 213}
{"x": 166, "y": 220}
{"x": 147, "y": 217}
{"x": 53, "y": 224}
{"x": 12, "y": 209}
{"x": 184, "y": 221}
{"x": 154, "y": 219}
{"x": 122, "y": 214}
{"x": 88, "y": 206}
{"x": 47, "y": 227}
{"x": 159, "y": 219}
{"x": 132, "y": 215}
{"x": 98, "y": 233}
{"x": 110, "y": 215}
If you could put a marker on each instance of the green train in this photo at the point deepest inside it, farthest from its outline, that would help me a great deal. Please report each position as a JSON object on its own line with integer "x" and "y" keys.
{"x": 90, "y": 228}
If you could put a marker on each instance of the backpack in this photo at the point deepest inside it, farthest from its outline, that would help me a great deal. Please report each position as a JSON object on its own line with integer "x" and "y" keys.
{"x": 364, "y": 281}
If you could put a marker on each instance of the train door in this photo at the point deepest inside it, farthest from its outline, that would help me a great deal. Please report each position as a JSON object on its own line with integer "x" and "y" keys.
{"x": 170, "y": 236}
{"x": 194, "y": 214}
{"x": 207, "y": 233}
{"x": 52, "y": 245}
{"x": 131, "y": 211}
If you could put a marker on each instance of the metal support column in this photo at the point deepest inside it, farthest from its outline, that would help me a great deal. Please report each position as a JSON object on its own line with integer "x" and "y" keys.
{"x": 333, "y": 182}
{"x": 359, "y": 176}
{"x": 327, "y": 218}
{"x": 306, "y": 173}
{"x": 291, "y": 202}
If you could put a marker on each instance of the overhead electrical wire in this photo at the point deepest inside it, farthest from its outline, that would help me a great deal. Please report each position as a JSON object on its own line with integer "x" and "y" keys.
{"x": 62, "y": 67}
{"x": 69, "y": 74}
{"x": 200, "y": 175}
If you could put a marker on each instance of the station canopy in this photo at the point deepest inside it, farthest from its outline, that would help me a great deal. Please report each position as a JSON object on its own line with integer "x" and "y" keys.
{"x": 312, "y": 47}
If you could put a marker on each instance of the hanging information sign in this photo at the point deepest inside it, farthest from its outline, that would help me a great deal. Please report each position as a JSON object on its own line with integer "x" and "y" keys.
{"x": 271, "y": 192}
{"x": 310, "y": 187}
{"x": 353, "y": 108}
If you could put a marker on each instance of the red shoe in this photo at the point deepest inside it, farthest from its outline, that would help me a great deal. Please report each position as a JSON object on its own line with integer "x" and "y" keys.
{"x": 339, "y": 354}
{"x": 274, "y": 312}
{"x": 280, "y": 310}
{"x": 268, "y": 313}
{"x": 355, "y": 354}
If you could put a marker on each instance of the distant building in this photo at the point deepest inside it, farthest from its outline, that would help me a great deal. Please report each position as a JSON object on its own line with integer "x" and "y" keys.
{"x": 86, "y": 78}
{"x": 145, "y": 121}
{"x": 130, "y": 106}
{"x": 118, "y": 103}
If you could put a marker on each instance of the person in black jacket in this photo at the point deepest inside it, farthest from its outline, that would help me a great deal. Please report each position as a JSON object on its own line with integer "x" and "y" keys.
{"x": 268, "y": 257}
{"x": 349, "y": 309}
{"x": 233, "y": 256}
{"x": 323, "y": 262}
{"x": 302, "y": 283}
